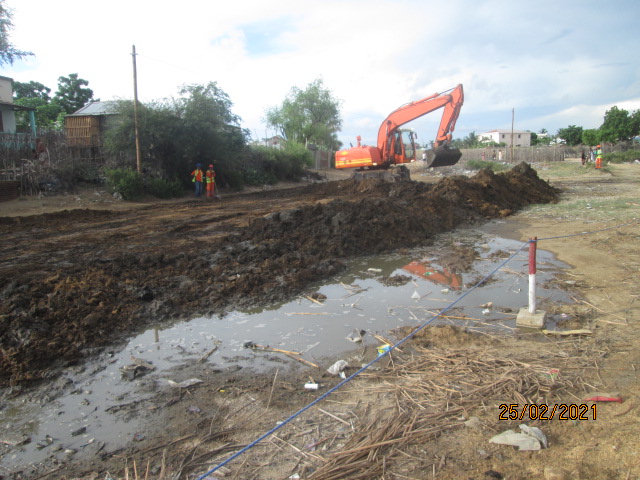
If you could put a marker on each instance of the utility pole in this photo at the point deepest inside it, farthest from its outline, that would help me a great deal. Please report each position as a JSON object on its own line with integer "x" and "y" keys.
{"x": 135, "y": 112}
{"x": 513, "y": 114}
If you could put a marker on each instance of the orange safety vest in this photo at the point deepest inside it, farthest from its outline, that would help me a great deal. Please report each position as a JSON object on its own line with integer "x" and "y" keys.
{"x": 210, "y": 176}
{"x": 197, "y": 175}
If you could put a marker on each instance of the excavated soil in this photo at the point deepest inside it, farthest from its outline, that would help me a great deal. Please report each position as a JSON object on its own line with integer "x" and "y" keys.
{"x": 75, "y": 281}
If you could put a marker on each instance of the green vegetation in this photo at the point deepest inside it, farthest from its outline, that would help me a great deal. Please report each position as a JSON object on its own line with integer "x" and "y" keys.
{"x": 8, "y": 53}
{"x": 308, "y": 116}
{"x": 128, "y": 183}
{"x": 72, "y": 94}
{"x": 161, "y": 188}
{"x": 621, "y": 157}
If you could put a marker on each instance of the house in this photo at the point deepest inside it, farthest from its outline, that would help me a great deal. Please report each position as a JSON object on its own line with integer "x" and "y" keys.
{"x": 276, "y": 142}
{"x": 8, "y": 136}
{"x": 86, "y": 127}
{"x": 521, "y": 138}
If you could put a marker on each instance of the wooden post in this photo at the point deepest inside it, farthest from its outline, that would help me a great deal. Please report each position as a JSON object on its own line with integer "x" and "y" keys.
{"x": 513, "y": 114}
{"x": 135, "y": 112}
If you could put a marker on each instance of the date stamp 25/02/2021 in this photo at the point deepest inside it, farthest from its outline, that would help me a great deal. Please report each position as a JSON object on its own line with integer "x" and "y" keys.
{"x": 561, "y": 411}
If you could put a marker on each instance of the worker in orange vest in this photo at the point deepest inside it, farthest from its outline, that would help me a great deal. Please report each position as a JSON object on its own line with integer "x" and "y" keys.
{"x": 197, "y": 179}
{"x": 210, "y": 178}
{"x": 599, "y": 157}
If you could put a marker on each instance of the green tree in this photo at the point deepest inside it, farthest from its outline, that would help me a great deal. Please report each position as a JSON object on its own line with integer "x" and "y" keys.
{"x": 31, "y": 90}
{"x": 308, "y": 116}
{"x": 590, "y": 137}
{"x": 618, "y": 125}
{"x": 8, "y": 53}
{"x": 572, "y": 135}
{"x": 72, "y": 93}
{"x": 197, "y": 127}
{"x": 35, "y": 95}
{"x": 534, "y": 138}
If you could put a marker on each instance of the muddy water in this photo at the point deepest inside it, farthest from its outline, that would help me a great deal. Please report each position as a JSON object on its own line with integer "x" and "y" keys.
{"x": 90, "y": 407}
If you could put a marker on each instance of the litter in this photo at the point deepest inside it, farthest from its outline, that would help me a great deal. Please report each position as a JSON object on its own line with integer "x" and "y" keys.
{"x": 382, "y": 349}
{"x": 415, "y": 295}
{"x": 604, "y": 397}
{"x": 531, "y": 438}
{"x": 138, "y": 368}
{"x": 310, "y": 386}
{"x": 337, "y": 367}
{"x": 356, "y": 336}
{"x": 187, "y": 383}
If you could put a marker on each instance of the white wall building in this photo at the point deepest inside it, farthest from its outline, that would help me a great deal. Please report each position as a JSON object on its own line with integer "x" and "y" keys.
{"x": 520, "y": 137}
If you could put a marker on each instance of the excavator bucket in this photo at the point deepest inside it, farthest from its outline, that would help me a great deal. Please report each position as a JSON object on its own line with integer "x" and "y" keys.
{"x": 443, "y": 156}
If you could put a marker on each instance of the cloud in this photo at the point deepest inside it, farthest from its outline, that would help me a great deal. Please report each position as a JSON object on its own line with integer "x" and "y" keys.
{"x": 555, "y": 63}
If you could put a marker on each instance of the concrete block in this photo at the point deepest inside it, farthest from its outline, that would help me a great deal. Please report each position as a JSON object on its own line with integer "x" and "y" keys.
{"x": 530, "y": 320}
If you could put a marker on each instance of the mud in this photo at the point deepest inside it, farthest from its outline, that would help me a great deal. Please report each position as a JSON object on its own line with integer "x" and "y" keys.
{"x": 75, "y": 282}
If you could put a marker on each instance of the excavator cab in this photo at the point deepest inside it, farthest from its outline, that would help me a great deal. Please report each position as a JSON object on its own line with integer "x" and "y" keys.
{"x": 402, "y": 147}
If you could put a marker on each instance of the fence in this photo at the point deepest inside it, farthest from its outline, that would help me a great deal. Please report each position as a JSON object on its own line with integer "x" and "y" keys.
{"x": 520, "y": 154}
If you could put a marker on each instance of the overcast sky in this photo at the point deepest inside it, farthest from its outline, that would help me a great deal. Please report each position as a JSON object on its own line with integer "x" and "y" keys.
{"x": 555, "y": 63}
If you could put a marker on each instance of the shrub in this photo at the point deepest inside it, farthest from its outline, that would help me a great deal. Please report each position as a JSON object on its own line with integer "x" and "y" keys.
{"x": 161, "y": 188}
{"x": 621, "y": 157}
{"x": 127, "y": 183}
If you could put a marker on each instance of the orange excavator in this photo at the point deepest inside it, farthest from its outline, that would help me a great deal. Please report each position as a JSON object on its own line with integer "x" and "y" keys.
{"x": 397, "y": 146}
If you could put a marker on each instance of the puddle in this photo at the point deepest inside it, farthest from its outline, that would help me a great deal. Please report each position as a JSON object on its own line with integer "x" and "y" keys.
{"x": 94, "y": 396}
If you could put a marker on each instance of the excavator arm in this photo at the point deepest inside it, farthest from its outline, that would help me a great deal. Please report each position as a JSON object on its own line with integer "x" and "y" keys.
{"x": 451, "y": 100}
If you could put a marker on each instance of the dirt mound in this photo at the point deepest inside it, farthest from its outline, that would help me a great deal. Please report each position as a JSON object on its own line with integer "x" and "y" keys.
{"x": 78, "y": 280}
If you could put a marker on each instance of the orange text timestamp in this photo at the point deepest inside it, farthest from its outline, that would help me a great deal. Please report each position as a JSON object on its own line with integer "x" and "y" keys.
{"x": 561, "y": 411}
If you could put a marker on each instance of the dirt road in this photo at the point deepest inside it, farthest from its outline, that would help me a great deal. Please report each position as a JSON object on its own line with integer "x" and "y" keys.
{"x": 79, "y": 280}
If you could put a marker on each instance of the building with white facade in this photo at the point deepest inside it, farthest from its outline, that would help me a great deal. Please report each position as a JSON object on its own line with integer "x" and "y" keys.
{"x": 521, "y": 138}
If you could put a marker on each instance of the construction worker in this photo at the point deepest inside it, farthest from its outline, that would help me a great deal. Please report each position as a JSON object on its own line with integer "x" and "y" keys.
{"x": 598, "y": 156}
{"x": 197, "y": 179}
{"x": 210, "y": 178}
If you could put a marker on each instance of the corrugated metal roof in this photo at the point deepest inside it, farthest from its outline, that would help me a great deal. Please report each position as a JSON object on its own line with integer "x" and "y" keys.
{"x": 98, "y": 108}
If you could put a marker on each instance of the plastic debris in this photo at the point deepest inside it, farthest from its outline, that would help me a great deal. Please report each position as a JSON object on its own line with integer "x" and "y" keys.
{"x": 374, "y": 270}
{"x": 187, "y": 383}
{"x": 536, "y": 432}
{"x": 356, "y": 336}
{"x": 415, "y": 295}
{"x": 382, "y": 349}
{"x": 138, "y": 368}
{"x": 604, "y": 397}
{"x": 531, "y": 438}
{"x": 337, "y": 367}
{"x": 310, "y": 386}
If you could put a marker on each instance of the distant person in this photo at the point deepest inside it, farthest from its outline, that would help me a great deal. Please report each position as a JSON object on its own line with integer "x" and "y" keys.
{"x": 499, "y": 155}
{"x": 592, "y": 155}
{"x": 197, "y": 179}
{"x": 494, "y": 156}
{"x": 583, "y": 158}
{"x": 40, "y": 152}
{"x": 210, "y": 178}
{"x": 599, "y": 157}
{"x": 424, "y": 156}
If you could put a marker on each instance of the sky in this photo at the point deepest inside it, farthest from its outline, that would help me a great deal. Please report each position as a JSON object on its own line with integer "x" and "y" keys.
{"x": 546, "y": 64}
